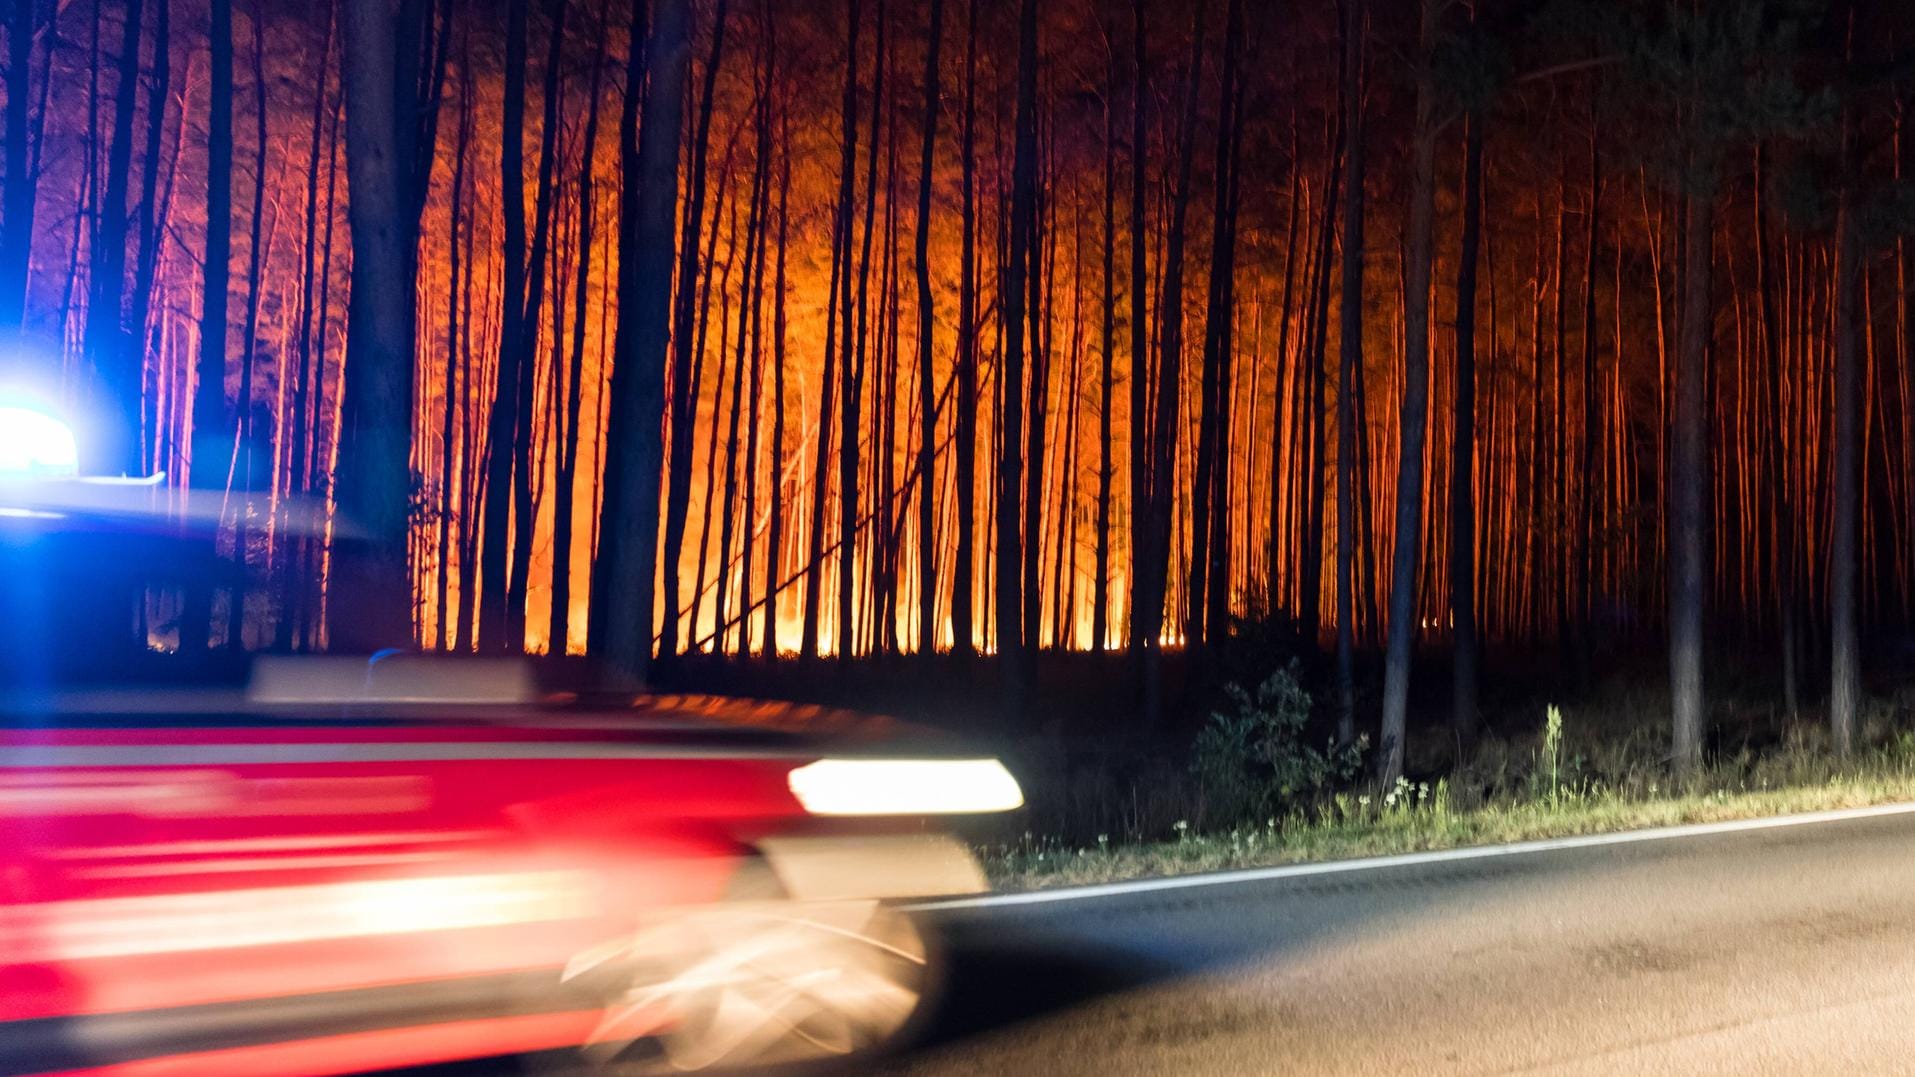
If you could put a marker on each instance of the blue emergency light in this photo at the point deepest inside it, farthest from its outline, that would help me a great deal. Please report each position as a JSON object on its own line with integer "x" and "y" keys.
{"x": 36, "y": 444}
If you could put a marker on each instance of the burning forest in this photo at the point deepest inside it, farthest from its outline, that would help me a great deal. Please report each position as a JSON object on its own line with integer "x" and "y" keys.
{"x": 648, "y": 328}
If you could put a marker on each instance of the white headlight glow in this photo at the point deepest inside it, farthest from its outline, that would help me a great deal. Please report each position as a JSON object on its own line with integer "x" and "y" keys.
{"x": 905, "y": 787}
{"x": 35, "y": 445}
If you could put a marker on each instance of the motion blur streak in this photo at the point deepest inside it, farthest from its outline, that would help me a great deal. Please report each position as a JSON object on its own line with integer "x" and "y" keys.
{"x": 366, "y": 1050}
{"x": 267, "y": 916}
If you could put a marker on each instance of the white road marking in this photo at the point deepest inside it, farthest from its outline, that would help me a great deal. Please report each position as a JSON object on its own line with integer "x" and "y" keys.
{"x": 1405, "y": 860}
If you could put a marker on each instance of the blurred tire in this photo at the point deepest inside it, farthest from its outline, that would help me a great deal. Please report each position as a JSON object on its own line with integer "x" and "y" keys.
{"x": 759, "y": 981}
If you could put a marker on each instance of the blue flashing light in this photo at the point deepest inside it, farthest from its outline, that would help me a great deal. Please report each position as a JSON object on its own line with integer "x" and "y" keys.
{"x": 36, "y": 444}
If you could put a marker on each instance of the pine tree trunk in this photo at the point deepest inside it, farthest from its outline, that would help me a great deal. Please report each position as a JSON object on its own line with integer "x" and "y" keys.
{"x": 213, "y": 428}
{"x": 1689, "y": 478}
{"x": 566, "y": 473}
{"x": 19, "y": 184}
{"x": 927, "y": 407}
{"x": 1776, "y": 464}
{"x": 684, "y": 397}
{"x": 774, "y": 529}
{"x": 150, "y": 223}
{"x": 111, "y": 352}
{"x": 1586, "y": 471}
{"x": 1100, "y": 586}
{"x": 623, "y": 594}
{"x": 245, "y": 480}
{"x": 1014, "y": 297}
{"x": 368, "y": 592}
{"x": 756, "y": 307}
{"x": 1038, "y": 411}
{"x": 529, "y": 469}
{"x": 748, "y": 304}
{"x": 1211, "y": 483}
{"x": 963, "y": 569}
{"x": 1348, "y": 371}
{"x": 808, "y": 645}
{"x": 506, "y": 462}
{"x": 1416, "y": 390}
{"x": 1155, "y": 560}
{"x": 307, "y": 388}
{"x": 1845, "y": 681}
{"x": 1142, "y": 641}
{"x": 1462, "y": 604}
{"x": 852, "y": 366}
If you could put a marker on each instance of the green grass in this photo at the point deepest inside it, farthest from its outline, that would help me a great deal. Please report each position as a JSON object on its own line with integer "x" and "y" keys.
{"x": 1562, "y": 794}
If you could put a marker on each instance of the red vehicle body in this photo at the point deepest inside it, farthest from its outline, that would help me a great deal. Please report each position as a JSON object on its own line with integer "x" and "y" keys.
{"x": 190, "y": 888}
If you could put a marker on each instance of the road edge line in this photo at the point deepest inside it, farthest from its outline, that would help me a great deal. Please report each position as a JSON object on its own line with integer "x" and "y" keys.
{"x": 1404, "y": 860}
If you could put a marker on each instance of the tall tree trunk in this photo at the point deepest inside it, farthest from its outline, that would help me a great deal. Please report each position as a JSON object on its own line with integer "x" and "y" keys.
{"x": 774, "y": 528}
{"x": 1776, "y": 475}
{"x": 1845, "y": 681}
{"x": 1276, "y": 496}
{"x": 213, "y": 427}
{"x": 1416, "y": 390}
{"x": 472, "y": 472}
{"x": 963, "y": 569}
{"x": 1586, "y": 471}
{"x": 368, "y": 605}
{"x": 529, "y": 468}
{"x": 1462, "y": 604}
{"x": 507, "y": 459}
{"x": 744, "y": 373}
{"x": 839, "y": 283}
{"x": 1014, "y": 295}
{"x": 1100, "y": 586}
{"x": 1155, "y": 563}
{"x": 1310, "y": 576}
{"x": 307, "y": 387}
{"x": 318, "y": 549}
{"x": 1222, "y": 509}
{"x": 927, "y": 408}
{"x": 1211, "y": 487}
{"x": 1037, "y": 413}
{"x": 148, "y": 234}
{"x": 112, "y": 352}
{"x": 684, "y": 402}
{"x": 1142, "y": 640}
{"x": 559, "y": 628}
{"x": 1348, "y": 370}
{"x": 852, "y": 362}
{"x": 249, "y": 340}
{"x": 700, "y": 334}
{"x": 17, "y": 194}
{"x": 756, "y": 306}
{"x": 623, "y": 595}
{"x": 1689, "y": 481}
{"x": 450, "y": 507}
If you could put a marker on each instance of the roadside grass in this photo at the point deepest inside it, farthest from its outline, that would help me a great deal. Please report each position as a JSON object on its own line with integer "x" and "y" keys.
{"x": 1554, "y": 792}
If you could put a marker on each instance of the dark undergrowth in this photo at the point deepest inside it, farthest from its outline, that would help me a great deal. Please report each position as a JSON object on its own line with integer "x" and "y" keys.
{"x": 1094, "y": 773}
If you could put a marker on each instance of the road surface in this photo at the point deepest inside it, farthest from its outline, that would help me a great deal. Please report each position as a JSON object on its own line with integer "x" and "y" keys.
{"x": 1788, "y": 950}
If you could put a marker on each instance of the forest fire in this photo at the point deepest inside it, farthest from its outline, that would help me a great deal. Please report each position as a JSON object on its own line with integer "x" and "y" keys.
{"x": 1001, "y": 328}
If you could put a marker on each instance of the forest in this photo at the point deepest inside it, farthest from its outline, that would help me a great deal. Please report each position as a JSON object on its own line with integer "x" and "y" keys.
{"x": 819, "y": 330}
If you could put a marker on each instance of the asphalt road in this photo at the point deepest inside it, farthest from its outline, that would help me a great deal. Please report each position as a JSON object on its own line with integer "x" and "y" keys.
{"x": 1775, "y": 951}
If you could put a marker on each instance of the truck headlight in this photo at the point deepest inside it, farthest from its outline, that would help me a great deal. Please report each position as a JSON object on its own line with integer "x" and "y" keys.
{"x": 905, "y": 787}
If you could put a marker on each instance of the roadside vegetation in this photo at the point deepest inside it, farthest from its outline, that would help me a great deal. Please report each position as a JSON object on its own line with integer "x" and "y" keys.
{"x": 1263, "y": 794}
{"x": 1247, "y": 768}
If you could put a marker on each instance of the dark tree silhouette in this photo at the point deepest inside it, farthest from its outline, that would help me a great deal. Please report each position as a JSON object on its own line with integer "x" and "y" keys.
{"x": 622, "y": 578}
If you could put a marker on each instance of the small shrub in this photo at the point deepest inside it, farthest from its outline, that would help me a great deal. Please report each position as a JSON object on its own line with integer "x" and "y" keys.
{"x": 1546, "y": 780}
{"x": 1254, "y": 762}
